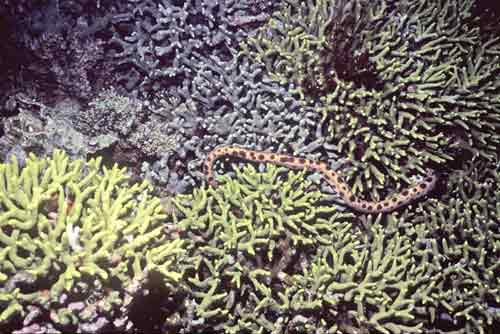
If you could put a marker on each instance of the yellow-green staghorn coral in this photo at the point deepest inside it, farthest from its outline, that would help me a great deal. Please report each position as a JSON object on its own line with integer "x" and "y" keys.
{"x": 269, "y": 254}
{"x": 402, "y": 85}
{"x": 332, "y": 177}
{"x": 360, "y": 285}
{"x": 77, "y": 241}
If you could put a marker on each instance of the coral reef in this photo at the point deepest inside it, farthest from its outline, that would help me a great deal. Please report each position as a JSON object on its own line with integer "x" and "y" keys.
{"x": 153, "y": 41}
{"x": 358, "y": 286}
{"x": 110, "y": 122}
{"x": 78, "y": 242}
{"x": 32, "y": 129}
{"x": 139, "y": 132}
{"x": 379, "y": 90}
{"x": 66, "y": 63}
{"x": 401, "y": 84}
{"x": 207, "y": 110}
{"x": 273, "y": 255}
{"x": 460, "y": 232}
{"x": 227, "y": 103}
{"x": 270, "y": 256}
{"x": 40, "y": 129}
{"x": 52, "y": 48}
{"x": 333, "y": 178}
{"x": 110, "y": 113}
{"x": 242, "y": 237}
{"x": 153, "y": 140}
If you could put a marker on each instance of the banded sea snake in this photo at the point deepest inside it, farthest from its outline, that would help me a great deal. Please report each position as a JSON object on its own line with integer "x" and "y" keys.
{"x": 333, "y": 178}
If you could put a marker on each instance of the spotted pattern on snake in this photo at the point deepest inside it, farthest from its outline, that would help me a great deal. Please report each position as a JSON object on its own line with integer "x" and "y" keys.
{"x": 332, "y": 177}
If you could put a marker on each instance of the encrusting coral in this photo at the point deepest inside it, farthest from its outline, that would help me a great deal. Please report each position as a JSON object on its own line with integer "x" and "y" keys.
{"x": 401, "y": 84}
{"x": 110, "y": 113}
{"x": 77, "y": 243}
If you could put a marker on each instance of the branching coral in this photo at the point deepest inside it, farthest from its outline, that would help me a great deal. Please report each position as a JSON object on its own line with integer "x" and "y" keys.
{"x": 333, "y": 178}
{"x": 229, "y": 102}
{"x": 392, "y": 86}
{"x": 154, "y": 41}
{"x": 243, "y": 237}
{"x": 360, "y": 286}
{"x": 282, "y": 208}
{"x": 401, "y": 85}
{"x": 77, "y": 242}
{"x": 461, "y": 233}
{"x": 269, "y": 256}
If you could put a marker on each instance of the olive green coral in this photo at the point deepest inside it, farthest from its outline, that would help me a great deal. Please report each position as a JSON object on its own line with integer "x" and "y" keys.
{"x": 269, "y": 254}
{"x": 243, "y": 235}
{"x": 401, "y": 84}
{"x": 77, "y": 241}
{"x": 460, "y": 232}
{"x": 361, "y": 285}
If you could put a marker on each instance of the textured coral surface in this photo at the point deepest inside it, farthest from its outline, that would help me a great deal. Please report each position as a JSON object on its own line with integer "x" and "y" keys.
{"x": 400, "y": 84}
{"x": 332, "y": 177}
{"x": 77, "y": 242}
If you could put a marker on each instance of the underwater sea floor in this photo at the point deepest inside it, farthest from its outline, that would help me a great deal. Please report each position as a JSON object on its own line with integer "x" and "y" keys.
{"x": 252, "y": 166}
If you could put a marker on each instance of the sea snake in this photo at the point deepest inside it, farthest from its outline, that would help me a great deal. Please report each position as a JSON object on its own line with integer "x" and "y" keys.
{"x": 333, "y": 178}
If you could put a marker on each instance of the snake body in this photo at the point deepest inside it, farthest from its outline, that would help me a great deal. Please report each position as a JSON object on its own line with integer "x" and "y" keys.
{"x": 388, "y": 204}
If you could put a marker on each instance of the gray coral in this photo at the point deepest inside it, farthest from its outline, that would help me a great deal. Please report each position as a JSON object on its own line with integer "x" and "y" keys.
{"x": 232, "y": 102}
{"x": 152, "y": 40}
{"x": 110, "y": 113}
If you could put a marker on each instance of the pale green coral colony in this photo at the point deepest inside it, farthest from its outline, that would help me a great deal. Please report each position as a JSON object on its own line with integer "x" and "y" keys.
{"x": 274, "y": 256}
{"x": 263, "y": 253}
{"x": 401, "y": 84}
{"x": 76, "y": 227}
